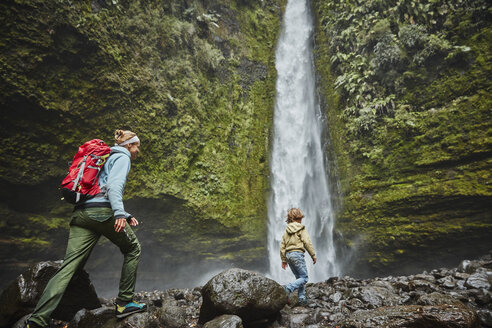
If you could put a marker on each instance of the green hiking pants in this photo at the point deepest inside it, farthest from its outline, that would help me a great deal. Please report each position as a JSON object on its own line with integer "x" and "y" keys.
{"x": 86, "y": 226}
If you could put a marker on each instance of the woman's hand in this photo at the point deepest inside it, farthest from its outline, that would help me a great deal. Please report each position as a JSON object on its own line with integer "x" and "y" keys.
{"x": 133, "y": 222}
{"x": 314, "y": 260}
{"x": 284, "y": 265}
{"x": 119, "y": 224}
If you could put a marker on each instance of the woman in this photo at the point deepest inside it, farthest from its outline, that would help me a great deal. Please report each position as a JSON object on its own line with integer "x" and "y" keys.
{"x": 102, "y": 215}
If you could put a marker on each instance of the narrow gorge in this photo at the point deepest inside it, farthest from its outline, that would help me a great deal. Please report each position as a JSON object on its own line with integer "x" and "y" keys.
{"x": 376, "y": 113}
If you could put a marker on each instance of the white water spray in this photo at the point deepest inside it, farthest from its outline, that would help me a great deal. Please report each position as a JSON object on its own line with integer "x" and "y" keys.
{"x": 298, "y": 176}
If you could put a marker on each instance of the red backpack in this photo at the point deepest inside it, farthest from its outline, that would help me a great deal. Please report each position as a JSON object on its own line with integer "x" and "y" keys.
{"x": 82, "y": 181}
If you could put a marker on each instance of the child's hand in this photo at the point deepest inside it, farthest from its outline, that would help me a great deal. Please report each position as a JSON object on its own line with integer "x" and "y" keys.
{"x": 284, "y": 265}
{"x": 314, "y": 261}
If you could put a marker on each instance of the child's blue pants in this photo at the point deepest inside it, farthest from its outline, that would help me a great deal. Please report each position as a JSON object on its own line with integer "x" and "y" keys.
{"x": 298, "y": 266}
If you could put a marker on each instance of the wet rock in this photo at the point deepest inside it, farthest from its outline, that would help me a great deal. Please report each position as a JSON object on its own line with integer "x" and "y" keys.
{"x": 355, "y": 304}
{"x": 92, "y": 318}
{"x": 460, "y": 285}
{"x": 440, "y": 273}
{"x": 225, "y": 321}
{"x": 336, "y": 317}
{"x": 478, "y": 280}
{"x": 480, "y": 296}
{"x": 438, "y": 299}
{"x": 336, "y": 297}
{"x": 469, "y": 267}
{"x": 375, "y": 296}
{"x": 461, "y": 275}
{"x": 297, "y": 317}
{"x": 22, "y": 295}
{"x": 401, "y": 283}
{"x": 485, "y": 317}
{"x": 422, "y": 285}
{"x": 246, "y": 294}
{"x": 427, "y": 277}
{"x": 447, "y": 282}
{"x": 414, "y": 316}
{"x": 140, "y": 320}
{"x": 173, "y": 316}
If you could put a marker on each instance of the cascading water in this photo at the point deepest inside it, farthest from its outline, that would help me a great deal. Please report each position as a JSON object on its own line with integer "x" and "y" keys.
{"x": 298, "y": 176}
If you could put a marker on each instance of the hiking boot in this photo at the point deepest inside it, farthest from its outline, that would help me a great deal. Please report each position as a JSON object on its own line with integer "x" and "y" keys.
{"x": 130, "y": 308}
{"x": 29, "y": 324}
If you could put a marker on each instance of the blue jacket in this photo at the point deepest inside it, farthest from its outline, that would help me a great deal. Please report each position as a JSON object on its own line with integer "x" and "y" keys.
{"x": 112, "y": 181}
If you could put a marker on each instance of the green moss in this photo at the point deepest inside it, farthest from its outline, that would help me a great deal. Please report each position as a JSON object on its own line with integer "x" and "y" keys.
{"x": 416, "y": 167}
{"x": 196, "y": 82}
{"x": 48, "y": 222}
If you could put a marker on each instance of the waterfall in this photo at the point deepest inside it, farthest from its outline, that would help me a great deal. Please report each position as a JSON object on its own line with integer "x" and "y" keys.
{"x": 298, "y": 175}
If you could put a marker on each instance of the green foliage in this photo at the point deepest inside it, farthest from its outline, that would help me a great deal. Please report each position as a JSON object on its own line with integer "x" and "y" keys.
{"x": 434, "y": 47}
{"x": 386, "y": 53}
{"x": 413, "y": 36}
{"x": 410, "y": 120}
{"x": 372, "y": 44}
{"x": 181, "y": 75}
{"x": 48, "y": 222}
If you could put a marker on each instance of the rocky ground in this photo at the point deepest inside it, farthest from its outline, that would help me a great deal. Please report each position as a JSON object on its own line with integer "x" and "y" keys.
{"x": 458, "y": 297}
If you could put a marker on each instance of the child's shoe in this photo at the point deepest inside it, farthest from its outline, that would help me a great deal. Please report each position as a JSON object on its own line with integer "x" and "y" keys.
{"x": 129, "y": 308}
{"x": 302, "y": 302}
{"x": 288, "y": 293}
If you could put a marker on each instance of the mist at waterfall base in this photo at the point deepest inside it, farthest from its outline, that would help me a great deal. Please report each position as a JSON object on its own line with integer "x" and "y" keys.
{"x": 298, "y": 165}
{"x": 153, "y": 273}
{"x": 161, "y": 267}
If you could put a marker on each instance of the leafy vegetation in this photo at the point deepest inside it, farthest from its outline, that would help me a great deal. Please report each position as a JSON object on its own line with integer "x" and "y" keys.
{"x": 194, "y": 80}
{"x": 410, "y": 120}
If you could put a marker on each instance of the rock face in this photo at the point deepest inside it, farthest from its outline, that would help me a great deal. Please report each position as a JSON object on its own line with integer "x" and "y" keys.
{"x": 411, "y": 174}
{"x": 243, "y": 293}
{"x": 21, "y": 296}
{"x": 34, "y": 108}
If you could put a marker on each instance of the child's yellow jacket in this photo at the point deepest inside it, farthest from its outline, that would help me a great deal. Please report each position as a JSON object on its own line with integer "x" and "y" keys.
{"x": 296, "y": 238}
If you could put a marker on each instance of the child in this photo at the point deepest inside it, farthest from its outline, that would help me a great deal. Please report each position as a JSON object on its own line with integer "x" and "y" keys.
{"x": 295, "y": 242}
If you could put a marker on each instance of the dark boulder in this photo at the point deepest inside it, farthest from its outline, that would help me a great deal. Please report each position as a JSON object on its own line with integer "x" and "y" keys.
{"x": 225, "y": 321}
{"x": 92, "y": 318}
{"x": 410, "y": 316}
{"x": 22, "y": 295}
{"x": 172, "y": 315}
{"x": 485, "y": 317}
{"x": 246, "y": 294}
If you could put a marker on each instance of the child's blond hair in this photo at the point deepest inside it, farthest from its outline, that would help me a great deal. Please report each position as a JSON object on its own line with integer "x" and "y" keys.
{"x": 294, "y": 214}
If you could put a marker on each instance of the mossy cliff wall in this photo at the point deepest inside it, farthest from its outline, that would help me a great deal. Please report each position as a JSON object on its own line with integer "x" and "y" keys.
{"x": 406, "y": 87}
{"x": 194, "y": 79}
